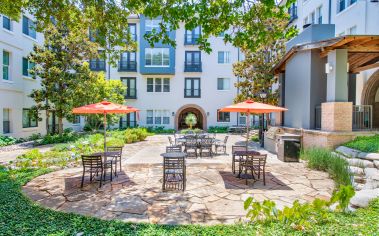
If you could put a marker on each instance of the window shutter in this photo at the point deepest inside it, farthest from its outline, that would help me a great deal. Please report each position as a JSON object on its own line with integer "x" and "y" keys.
{"x": 25, "y": 66}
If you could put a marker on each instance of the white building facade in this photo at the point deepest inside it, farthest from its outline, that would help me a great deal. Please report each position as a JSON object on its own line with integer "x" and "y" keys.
{"x": 164, "y": 82}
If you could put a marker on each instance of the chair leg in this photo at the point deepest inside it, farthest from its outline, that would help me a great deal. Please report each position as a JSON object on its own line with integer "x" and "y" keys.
{"x": 233, "y": 164}
{"x": 101, "y": 178}
{"x": 264, "y": 176}
{"x": 82, "y": 179}
{"x": 111, "y": 171}
{"x": 246, "y": 174}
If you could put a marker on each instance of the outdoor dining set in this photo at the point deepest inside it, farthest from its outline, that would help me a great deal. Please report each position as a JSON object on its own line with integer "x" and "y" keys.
{"x": 174, "y": 159}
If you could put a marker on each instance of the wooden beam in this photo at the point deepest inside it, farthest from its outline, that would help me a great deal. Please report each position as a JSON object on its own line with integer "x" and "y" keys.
{"x": 362, "y": 68}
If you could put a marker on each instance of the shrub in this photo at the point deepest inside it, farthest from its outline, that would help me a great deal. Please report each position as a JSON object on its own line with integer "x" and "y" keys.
{"x": 115, "y": 142}
{"x": 32, "y": 158}
{"x": 135, "y": 135}
{"x": 218, "y": 129}
{"x": 160, "y": 130}
{"x": 7, "y": 140}
{"x": 365, "y": 143}
{"x": 324, "y": 160}
{"x": 67, "y": 136}
{"x": 35, "y": 137}
{"x": 187, "y": 131}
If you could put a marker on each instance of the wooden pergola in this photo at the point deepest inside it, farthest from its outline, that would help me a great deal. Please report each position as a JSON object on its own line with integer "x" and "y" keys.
{"x": 363, "y": 51}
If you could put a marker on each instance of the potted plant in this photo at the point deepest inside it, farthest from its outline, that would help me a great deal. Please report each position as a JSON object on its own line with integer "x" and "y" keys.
{"x": 191, "y": 120}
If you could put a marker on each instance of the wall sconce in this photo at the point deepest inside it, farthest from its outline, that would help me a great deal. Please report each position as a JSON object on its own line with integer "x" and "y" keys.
{"x": 347, "y": 67}
{"x": 173, "y": 113}
{"x": 328, "y": 68}
{"x": 208, "y": 113}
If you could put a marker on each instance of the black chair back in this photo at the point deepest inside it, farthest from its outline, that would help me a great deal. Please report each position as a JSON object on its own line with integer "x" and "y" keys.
{"x": 92, "y": 161}
{"x": 238, "y": 148}
{"x": 174, "y": 149}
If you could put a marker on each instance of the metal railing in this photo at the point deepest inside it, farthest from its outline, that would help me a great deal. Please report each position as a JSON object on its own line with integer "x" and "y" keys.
{"x": 192, "y": 93}
{"x": 191, "y": 40}
{"x": 318, "y": 117}
{"x": 362, "y": 117}
{"x": 192, "y": 67}
{"x": 6, "y": 127}
{"x": 97, "y": 65}
{"x": 127, "y": 66}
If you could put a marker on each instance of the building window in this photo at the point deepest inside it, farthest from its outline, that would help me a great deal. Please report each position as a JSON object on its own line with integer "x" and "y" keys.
{"x": 26, "y": 66}
{"x": 305, "y": 21}
{"x": 28, "y": 121}
{"x": 6, "y": 65}
{"x": 76, "y": 119}
{"x": 158, "y": 117}
{"x": 98, "y": 64}
{"x": 352, "y": 30}
{"x": 158, "y": 85}
{"x": 128, "y": 120}
{"x": 351, "y": 2}
{"x": 223, "y": 57}
{"x": 131, "y": 87}
{"x": 7, "y": 23}
{"x": 152, "y": 24}
{"x": 6, "y": 121}
{"x": 192, "y": 36}
{"x": 28, "y": 27}
{"x": 157, "y": 57}
{"x": 319, "y": 15}
{"x": 192, "y": 61}
{"x": 223, "y": 84}
{"x": 149, "y": 117}
{"x": 292, "y": 11}
{"x": 221, "y": 35}
{"x": 192, "y": 88}
{"x": 223, "y": 116}
{"x": 313, "y": 17}
{"x": 242, "y": 120}
{"x": 133, "y": 31}
{"x": 341, "y": 5}
{"x": 128, "y": 62}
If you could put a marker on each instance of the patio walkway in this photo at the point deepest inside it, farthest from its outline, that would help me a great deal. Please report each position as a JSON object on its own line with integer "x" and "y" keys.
{"x": 213, "y": 195}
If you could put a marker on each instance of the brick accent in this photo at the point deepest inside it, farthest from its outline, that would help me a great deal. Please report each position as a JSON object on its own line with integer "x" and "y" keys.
{"x": 336, "y": 116}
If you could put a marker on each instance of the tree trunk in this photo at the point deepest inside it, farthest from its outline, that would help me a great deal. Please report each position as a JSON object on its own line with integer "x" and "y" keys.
{"x": 60, "y": 125}
{"x": 47, "y": 121}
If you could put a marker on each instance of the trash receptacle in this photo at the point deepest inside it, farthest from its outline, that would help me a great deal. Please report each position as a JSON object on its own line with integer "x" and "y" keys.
{"x": 289, "y": 148}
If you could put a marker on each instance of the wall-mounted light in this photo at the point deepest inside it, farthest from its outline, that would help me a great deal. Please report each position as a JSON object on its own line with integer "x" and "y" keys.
{"x": 328, "y": 68}
{"x": 173, "y": 113}
{"x": 347, "y": 67}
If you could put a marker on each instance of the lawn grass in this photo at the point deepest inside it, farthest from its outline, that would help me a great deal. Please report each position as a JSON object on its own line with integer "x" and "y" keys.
{"x": 20, "y": 216}
{"x": 365, "y": 143}
{"x": 322, "y": 159}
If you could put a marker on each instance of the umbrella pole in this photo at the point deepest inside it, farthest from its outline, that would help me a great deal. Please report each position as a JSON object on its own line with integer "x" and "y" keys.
{"x": 105, "y": 131}
{"x": 247, "y": 130}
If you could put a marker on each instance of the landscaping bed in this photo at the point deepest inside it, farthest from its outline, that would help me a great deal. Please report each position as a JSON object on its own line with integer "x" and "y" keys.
{"x": 365, "y": 143}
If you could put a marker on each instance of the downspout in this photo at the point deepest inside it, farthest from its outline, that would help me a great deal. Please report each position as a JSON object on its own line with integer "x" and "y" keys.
{"x": 330, "y": 12}
{"x": 238, "y": 80}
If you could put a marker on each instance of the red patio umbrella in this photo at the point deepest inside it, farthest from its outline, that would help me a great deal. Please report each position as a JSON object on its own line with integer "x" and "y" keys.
{"x": 249, "y": 107}
{"x": 105, "y": 108}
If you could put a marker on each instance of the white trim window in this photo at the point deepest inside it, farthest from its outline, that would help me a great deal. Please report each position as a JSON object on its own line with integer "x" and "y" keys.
{"x": 6, "y": 65}
{"x": 157, "y": 117}
{"x": 157, "y": 57}
{"x": 158, "y": 85}
{"x": 27, "y": 65}
{"x": 149, "y": 117}
{"x": 319, "y": 14}
{"x": 151, "y": 24}
{"x": 7, "y": 23}
{"x": 312, "y": 17}
{"x": 223, "y": 84}
{"x": 28, "y": 27}
{"x": 223, "y": 57}
{"x": 223, "y": 117}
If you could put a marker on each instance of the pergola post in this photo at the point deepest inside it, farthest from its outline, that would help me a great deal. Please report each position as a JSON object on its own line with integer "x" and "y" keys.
{"x": 336, "y": 113}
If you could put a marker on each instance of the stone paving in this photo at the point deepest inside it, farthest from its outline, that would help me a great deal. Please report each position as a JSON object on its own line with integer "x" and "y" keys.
{"x": 213, "y": 194}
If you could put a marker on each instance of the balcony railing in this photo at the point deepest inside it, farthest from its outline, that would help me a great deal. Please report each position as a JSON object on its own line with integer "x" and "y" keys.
{"x": 127, "y": 66}
{"x": 131, "y": 93}
{"x": 192, "y": 93}
{"x": 97, "y": 65}
{"x": 191, "y": 40}
{"x": 192, "y": 67}
{"x": 362, "y": 117}
{"x": 292, "y": 11}
{"x": 6, "y": 127}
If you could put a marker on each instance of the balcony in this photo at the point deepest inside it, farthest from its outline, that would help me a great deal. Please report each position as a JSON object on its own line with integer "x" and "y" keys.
{"x": 97, "y": 65}
{"x": 127, "y": 66}
{"x": 192, "y": 93}
{"x": 292, "y": 11}
{"x": 6, "y": 127}
{"x": 191, "y": 40}
{"x": 131, "y": 93}
{"x": 192, "y": 67}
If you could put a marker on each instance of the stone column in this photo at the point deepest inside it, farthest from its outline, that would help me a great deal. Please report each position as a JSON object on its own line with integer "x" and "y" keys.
{"x": 336, "y": 113}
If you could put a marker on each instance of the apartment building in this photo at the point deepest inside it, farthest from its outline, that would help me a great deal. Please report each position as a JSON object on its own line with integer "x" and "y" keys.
{"x": 164, "y": 82}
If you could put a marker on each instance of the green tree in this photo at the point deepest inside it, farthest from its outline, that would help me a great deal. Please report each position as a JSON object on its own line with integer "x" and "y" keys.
{"x": 255, "y": 71}
{"x": 66, "y": 80}
{"x": 191, "y": 120}
{"x": 245, "y": 23}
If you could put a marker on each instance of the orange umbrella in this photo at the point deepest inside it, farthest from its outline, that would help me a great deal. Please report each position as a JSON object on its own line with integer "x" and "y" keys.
{"x": 105, "y": 108}
{"x": 249, "y": 107}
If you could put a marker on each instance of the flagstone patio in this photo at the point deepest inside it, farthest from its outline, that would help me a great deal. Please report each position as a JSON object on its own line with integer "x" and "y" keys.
{"x": 213, "y": 194}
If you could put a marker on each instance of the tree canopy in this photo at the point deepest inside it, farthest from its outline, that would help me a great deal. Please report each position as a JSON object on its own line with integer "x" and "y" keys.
{"x": 245, "y": 25}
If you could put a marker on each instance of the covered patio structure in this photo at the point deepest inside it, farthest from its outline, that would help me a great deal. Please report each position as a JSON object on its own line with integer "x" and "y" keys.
{"x": 330, "y": 86}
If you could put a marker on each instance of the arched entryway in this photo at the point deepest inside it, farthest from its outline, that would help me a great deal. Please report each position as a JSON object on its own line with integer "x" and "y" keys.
{"x": 184, "y": 111}
{"x": 370, "y": 96}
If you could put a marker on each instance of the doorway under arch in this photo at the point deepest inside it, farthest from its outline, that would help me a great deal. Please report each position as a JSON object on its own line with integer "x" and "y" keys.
{"x": 184, "y": 111}
{"x": 370, "y": 96}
